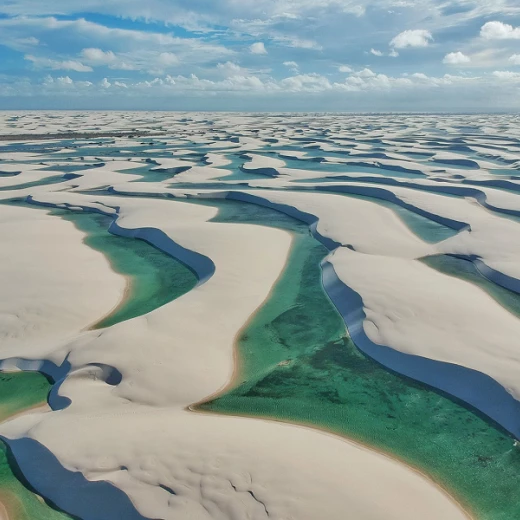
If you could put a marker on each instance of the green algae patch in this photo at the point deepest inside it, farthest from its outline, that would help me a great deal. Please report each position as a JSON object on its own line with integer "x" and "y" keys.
{"x": 21, "y": 391}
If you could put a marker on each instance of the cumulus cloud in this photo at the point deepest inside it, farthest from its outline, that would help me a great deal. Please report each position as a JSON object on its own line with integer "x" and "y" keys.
{"x": 62, "y": 84}
{"x": 97, "y": 56}
{"x": 507, "y": 75}
{"x": 65, "y": 80}
{"x": 499, "y": 31}
{"x": 412, "y": 38}
{"x": 168, "y": 59}
{"x": 230, "y": 69}
{"x": 365, "y": 82}
{"x": 258, "y": 48}
{"x": 219, "y": 36}
{"x": 365, "y": 73}
{"x": 456, "y": 58}
{"x": 47, "y": 63}
{"x": 306, "y": 83}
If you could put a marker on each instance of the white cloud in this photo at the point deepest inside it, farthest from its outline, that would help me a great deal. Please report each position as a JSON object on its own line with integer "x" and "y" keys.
{"x": 296, "y": 42}
{"x": 123, "y": 65}
{"x": 506, "y": 75}
{"x": 230, "y": 69}
{"x": 454, "y": 87}
{"x": 57, "y": 34}
{"x": 258, "y": 48}
{"x": 65, "y": 81}
{"x": 30, "y": 40}
{"x": 47, "y": 63}
{"x": 412, "y": 38}
{"x": 365, "y": 73}
{"x": 292, "y": 66}
{"x": 499, "y": 31}
{"x": 97, "y": 56}
{"x": 268, "y": 29}
{"x": 366, "y": 80}
{"x": 168, "y": 59}
{"x": 203, "y": 15}
{"x": 357, "y": 10}
{"x": 62, "y": 84}
{"x": 229, "y": 27}
{"x": 456, "y": 58}
{"x": 306, "y": 83}
{"x": 138, "y": 60}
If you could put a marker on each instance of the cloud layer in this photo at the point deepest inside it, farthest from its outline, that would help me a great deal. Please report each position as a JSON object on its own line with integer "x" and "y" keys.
{"x": 335, "y": 51}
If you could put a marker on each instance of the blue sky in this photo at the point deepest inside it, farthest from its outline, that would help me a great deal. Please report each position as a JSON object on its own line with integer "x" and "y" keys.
{"x": 306, "y": 55}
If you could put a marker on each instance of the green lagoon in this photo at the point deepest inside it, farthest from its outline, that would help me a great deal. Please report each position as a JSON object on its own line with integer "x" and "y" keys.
{"x": 154, "y": 277}
{"x": 466, "y": 270}
{"x": 20, "y": 391}
{"x": 297, "y": 364}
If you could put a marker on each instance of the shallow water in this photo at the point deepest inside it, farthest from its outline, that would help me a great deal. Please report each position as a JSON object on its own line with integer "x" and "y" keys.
{"x": 297, "y": 364}
{"x": 148, "y": 175}
{"x": 236, "y": 172}
{"x": 155, "y": 277}
{"x": 508, "y": 172}
{"x": 20, "y": 391}
{"x": 55, "y": 179}
{"x": 466, "y": 270}
{"x": 329, "y": 167}
{"x": 426, "y": 229}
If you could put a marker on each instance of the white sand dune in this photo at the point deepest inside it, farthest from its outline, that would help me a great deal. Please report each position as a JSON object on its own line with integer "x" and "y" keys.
{"x": 205, "y": 467}
{"x": 52, "y": 285}
{"x": 26, "y": 176}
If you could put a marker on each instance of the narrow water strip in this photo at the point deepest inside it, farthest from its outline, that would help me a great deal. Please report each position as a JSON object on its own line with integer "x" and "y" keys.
{"x": 20, "y": 392}
{"x": 466, "y": 270}
{"x": 154, "y": 278}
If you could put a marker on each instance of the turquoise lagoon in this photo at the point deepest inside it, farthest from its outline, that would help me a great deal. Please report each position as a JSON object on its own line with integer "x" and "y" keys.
{"x": 296, "y": 363}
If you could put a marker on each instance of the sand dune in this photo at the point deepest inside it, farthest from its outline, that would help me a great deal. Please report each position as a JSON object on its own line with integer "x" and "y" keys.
{"x": 121, "y": 411}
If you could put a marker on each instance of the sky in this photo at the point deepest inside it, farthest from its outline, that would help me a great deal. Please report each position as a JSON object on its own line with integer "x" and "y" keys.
{"x": 261, "y": 55}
